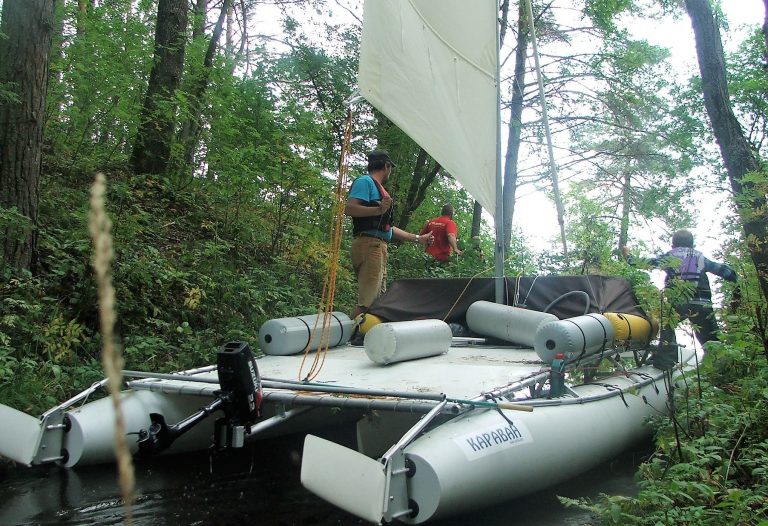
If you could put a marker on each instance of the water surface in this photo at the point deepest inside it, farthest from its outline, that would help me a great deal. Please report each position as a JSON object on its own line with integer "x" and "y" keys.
{"x": 259, "y": 486}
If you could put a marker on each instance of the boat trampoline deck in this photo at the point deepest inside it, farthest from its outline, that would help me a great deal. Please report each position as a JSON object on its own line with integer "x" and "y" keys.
{"x": 482, "y": 369}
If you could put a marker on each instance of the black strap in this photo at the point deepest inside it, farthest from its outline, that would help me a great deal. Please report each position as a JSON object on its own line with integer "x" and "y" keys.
{"x": 613, "y": 388}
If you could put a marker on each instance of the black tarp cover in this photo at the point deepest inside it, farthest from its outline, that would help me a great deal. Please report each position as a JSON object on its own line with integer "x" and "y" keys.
{"x": 449, "y": 299}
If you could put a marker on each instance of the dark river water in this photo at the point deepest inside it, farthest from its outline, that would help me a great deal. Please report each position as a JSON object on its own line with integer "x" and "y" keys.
{"x": 258, "y": 486}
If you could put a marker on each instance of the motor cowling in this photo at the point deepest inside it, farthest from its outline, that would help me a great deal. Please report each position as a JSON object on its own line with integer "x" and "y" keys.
{"x": 239, "y": 379}
{"x": 241, "y": 389}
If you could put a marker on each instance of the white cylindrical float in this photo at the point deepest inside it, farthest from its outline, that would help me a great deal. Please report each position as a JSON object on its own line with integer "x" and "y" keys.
{"x": 579, "y": 336}
{"x": 407, "y": 340}
{"x": 283, "y": 336}
{"x": 511, "y": 324}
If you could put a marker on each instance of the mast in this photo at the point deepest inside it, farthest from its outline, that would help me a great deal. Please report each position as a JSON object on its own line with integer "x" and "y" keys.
{"x": 499, "y": 216}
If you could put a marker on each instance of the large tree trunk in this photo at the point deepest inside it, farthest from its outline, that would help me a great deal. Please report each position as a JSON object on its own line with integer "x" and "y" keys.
{"x": 734, "y": 149}
{"x": 28, "y": 26}
{"x": 152, "y": 148}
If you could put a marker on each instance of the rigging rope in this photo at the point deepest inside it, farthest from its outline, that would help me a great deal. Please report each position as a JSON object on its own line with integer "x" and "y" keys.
{"x": 461, "y": 294}
{"x": 325, "y": 306}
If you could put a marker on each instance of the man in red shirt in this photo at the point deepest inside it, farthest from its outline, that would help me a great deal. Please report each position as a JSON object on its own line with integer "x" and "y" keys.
{"x": 444, "y": 231}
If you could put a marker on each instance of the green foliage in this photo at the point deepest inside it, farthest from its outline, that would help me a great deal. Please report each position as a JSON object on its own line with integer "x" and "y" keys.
{"x": 747, "y": 84}
{"x": 590, "y": 236}
{"x": 8, "y": 93}
{"x": 15, "y": 225}
{"x": 41, "y": 349}
{"x": 604, "y": 12}
{"x": 8, "y": 90}
{"x": 638, "y": 159}
{"x": 98, "y": 69}
{"x": 189, "y": 276}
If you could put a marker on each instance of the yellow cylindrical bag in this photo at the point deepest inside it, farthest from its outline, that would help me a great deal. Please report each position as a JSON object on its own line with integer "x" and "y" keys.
{"x": 631, "y": 329}
{"x": 368, "y": 321}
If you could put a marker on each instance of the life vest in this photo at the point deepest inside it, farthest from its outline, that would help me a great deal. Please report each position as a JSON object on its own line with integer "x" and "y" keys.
{"x": 691, "y": 263}
{"x": 691, "y": 270}
{"x": 381, "y": 222}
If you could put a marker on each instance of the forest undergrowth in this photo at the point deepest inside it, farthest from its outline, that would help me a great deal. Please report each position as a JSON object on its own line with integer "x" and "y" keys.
{"x": 188, "y": 279}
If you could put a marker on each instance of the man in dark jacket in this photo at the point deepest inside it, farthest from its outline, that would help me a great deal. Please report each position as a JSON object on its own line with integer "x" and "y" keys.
{"x": 686, "y": 270}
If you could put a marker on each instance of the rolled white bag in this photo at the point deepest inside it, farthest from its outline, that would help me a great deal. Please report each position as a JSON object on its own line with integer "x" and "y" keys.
{"x": 579, "y": 336}
{"x": 511, "y": 324}
{"x": 392, "y": 342}
{"x": 283, "y": 336}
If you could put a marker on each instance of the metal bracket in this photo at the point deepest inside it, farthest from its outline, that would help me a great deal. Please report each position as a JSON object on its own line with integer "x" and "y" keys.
{"x": 396, "y": 493}
{"x": 396, "y": 503}
{"x": 54, "y": 425}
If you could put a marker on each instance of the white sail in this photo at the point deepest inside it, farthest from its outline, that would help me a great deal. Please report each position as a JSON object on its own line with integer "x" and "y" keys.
{"x": 431, "y": 66}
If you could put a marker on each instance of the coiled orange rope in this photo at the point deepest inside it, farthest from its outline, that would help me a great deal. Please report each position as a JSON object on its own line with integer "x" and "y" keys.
{"x": 325, "y": 306}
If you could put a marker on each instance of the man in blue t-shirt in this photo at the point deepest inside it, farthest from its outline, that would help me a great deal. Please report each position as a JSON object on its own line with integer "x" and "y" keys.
{"x": 370, "y": 207}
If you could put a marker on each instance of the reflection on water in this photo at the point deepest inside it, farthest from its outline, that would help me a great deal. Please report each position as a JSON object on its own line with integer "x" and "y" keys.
{"x": 259, "y": 486}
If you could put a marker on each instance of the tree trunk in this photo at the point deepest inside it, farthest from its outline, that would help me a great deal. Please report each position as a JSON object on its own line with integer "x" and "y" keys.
{"x": 738, "y": 159}
{"x": 515, "y": 125}
{"x": 765, "y": 33}
{"x": 626, "y": 210}
{"x": 190, "y": 133}
{"x": 28, "y": 29}
{"x": 477, "y": 217}
{"x": 230, "y": 45}
{"x": 152, "y": 148}
{"x": 200, "y": 12}
{"x": 424, "y": 173}
{"x": 83, "y": 8}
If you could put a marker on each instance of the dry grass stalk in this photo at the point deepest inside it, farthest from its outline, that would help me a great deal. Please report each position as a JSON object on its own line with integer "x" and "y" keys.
{"x": 111, "y": 358}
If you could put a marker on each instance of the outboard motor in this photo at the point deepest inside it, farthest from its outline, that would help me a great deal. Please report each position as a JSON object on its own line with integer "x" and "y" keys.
{"x": 239, "y": 379}
{"x": 239, "y": 398}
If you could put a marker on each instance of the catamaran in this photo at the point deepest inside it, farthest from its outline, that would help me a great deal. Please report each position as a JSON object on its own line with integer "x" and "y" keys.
{"x": 546, "y": 378}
